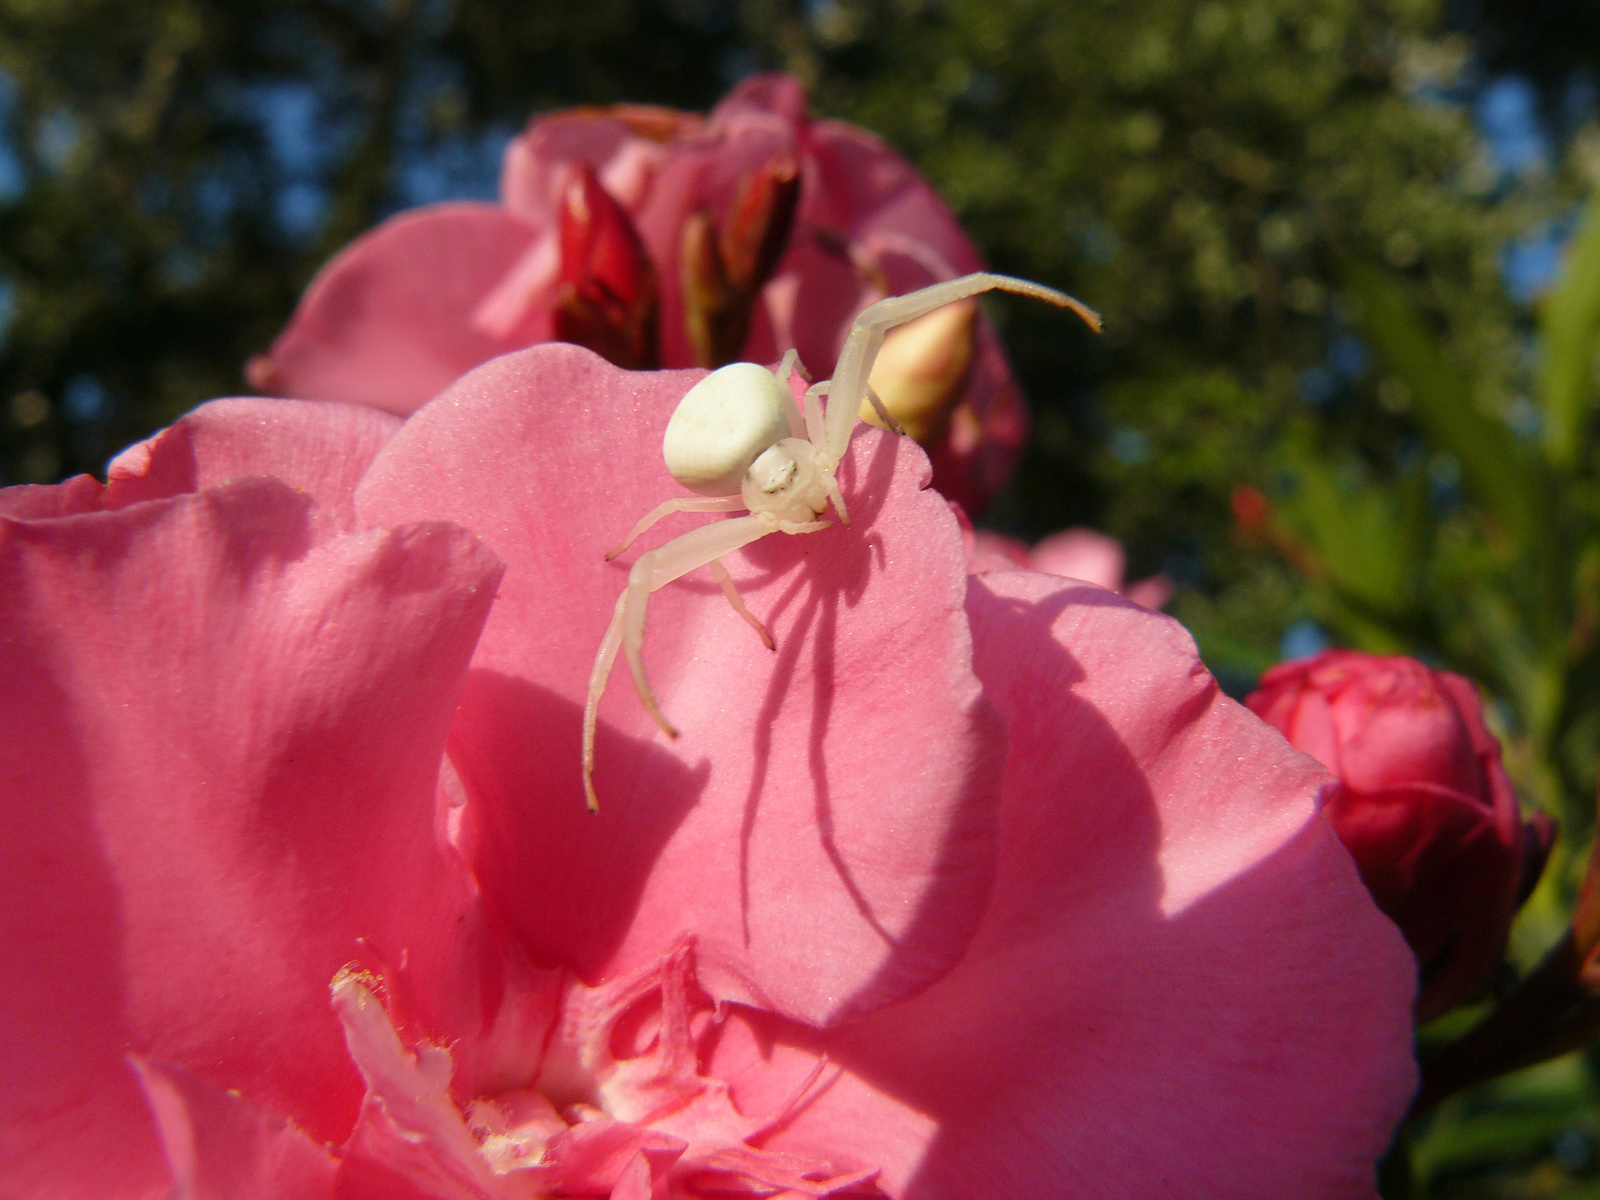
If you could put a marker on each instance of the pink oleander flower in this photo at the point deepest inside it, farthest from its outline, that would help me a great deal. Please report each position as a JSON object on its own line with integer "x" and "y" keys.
{"x": 1425, "y": 806}
{"x": 663, "y": 238}
{"x": 976, "y": 887}
{"x": 1071, "y": 554}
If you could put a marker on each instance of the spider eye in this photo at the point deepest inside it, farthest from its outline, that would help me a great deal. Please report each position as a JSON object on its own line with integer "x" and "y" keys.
{"x": 773, "y": 470}
{"x": 721, "y": 425}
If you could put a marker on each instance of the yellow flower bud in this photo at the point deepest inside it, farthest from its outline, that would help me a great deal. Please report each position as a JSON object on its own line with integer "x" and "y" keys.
{"x": 921, "y": 372}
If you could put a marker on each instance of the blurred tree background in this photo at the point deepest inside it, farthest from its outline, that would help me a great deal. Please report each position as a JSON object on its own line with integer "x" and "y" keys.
{"x": 1321, "y": 231}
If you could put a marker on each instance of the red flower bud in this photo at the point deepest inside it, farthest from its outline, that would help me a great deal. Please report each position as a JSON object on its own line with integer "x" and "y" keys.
{"x": 707, "y": 298}
{"x": 724, "y": 269}
{"x": 757, "y": 226}
{"x": 1251, "y": 512}
{"x": 1425, "y": 806}
{"x": 607, "y": 300}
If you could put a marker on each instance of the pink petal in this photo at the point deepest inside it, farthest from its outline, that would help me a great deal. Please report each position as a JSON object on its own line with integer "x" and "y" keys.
{"x": 1314, "y": 731}
{"x": 759, "y": 98}
{"x": 35, "y": 501}
{"x": 828, "y": 846}
{"x": 974, "y": 461}
{"x": 317, "y": 448}
{"x": 1082, "y": 554}
{"x": 876, "y": 196}
{"x": 862, "y": 194}
{"x": 388, "y": 322}
{"x": 1417, "y": 735}
{"x": 1436, "y": 863}
{"x": 227, "y": 739}
{"x": 410, "y": 1128}
{"x": 996, "y": 552}
{"x": 536, "y": 167}
{"x": 1180, "y": 987}
{"x": 1152, "y": 593}
{"x": 602, "y": 1157}
{"x": 72, "y": 1121}
{"x": 222, "y": 1147}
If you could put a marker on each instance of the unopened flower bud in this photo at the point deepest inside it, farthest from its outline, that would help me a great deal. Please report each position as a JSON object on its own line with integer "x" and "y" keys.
{"x": 921, "y": 372}
{"x": 608, "y": 290}
{"x": 707, "y": 298}
{"x": 723, "y": 269}
{"x": 261, "y": 373}
{"x": 1251, "y": 512}
{"x": 757, "y": 226}
{"x": 1425, "y": 806}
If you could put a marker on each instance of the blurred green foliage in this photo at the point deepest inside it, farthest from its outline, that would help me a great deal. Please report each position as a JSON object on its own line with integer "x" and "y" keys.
{"x": 1500, "y": 578}
{"x": 1199, "y": 171}
{"x": 1281, "y": 206}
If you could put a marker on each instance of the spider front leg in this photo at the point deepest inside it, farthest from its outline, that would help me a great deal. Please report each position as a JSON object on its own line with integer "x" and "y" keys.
{"x": 681, "y": 504}
{"x": 655, "y": 569}
{"x": 725, "y": 582}
{"x": 849, "y": 383}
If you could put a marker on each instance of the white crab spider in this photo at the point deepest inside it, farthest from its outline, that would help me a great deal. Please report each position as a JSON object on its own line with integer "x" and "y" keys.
{"x": 738, "y": 438}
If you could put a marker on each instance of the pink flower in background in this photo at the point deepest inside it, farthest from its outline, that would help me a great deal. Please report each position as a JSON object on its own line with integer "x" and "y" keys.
{"x": 976, "y": 887}
{"x": 662, "y": 238}
{"x": 1072, "y": 554}
{"x": 1425, "y": 807}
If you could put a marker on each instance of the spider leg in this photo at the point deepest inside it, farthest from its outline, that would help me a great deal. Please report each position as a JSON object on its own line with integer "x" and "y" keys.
{"x": 725, "y": 582}
{"x": 681, "y": 504}
{"x": 802, "y": 526}
{"x": 816, "y": 427}
{"x": 866, "y": 339}
{"x": 598, "y": 675}
{"x": 636, "y": 597}
{"x": 837, "y": 497}
{"x": 884, "y": 414}
{"x": 791, "y": 362}
{"x": 654, "y": 569}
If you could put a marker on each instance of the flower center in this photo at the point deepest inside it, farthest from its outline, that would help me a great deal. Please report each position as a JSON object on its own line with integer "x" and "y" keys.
{"x": 618, "y": 1105}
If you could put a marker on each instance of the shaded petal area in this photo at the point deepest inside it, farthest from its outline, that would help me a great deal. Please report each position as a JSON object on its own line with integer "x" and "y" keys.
{"x": 219, "y": 1146}
{"x": 227, "y": 737}
{"x": 1180, "y": 976}
{"x": 388, "y": 322}
{"x": 824, "y": 826}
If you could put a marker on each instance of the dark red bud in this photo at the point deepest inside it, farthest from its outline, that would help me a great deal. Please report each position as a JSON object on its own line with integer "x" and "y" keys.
{"x": 757, "y": 227}
{"x": 608, "y": 287}
{"x": 1257, "y": 524}
{"x": 261, "y": 373}
{"x": 1425, "y": 807}
{"x": 722, "y": 271}
{"x": 1251, "y": 511}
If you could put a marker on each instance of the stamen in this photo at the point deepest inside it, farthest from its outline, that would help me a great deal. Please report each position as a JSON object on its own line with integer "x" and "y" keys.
{"x": 798, "y": 1100}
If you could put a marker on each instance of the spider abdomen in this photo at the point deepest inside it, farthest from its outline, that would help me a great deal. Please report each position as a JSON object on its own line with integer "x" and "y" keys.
{"x": 721, "y": 425}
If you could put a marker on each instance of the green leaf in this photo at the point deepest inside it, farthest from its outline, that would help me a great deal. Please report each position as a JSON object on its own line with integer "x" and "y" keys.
{"x": 1368, "y": 537}
{"x": 1570, "y": 327}
{"x": 1496, "y": 472}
